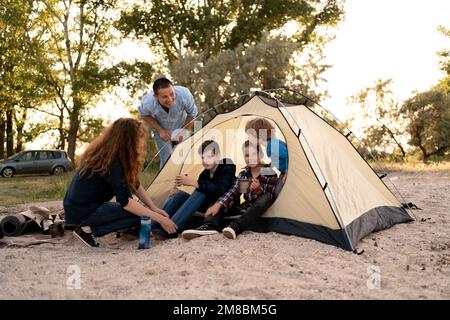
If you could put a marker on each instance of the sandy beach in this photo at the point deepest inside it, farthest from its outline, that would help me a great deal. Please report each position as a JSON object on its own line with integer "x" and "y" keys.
{"x": 408, "y": 261}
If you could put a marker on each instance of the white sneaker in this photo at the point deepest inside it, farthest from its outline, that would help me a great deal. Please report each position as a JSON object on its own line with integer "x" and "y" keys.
{"x": 203, "y": 230}
{"x": 229, "y": 233}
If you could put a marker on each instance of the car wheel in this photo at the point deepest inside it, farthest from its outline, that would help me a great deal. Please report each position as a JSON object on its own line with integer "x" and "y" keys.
{"x": 58, "y": 171}
{"x": 8, "y": 172}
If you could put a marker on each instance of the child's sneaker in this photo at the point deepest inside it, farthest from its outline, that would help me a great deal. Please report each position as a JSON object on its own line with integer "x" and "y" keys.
{"x": 204, "y": 230}
{"x": 231, "y": 232}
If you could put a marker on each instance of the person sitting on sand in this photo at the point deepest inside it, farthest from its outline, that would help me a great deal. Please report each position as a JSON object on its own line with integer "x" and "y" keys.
{"x": 258, "y": 198}
{"x": 109, "y": 168}
{"x": 217, "y": 177}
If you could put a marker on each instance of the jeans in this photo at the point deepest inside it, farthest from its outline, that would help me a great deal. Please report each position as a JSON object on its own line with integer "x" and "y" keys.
{"x": 261, "y": 204}
{"x": 182, "y": 206}
{"x": 164, "y": 148}
{"x": 110, "y": 217}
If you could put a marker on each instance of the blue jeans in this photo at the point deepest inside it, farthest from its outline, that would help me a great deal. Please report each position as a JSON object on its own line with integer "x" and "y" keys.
{"x": 164, "y": 148}
{"x": 182, "y": 206}
{"x": 110, "y": 217}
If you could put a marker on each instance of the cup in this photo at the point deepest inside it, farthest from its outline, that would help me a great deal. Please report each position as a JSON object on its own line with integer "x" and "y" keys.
{"x": 244, "y": 185}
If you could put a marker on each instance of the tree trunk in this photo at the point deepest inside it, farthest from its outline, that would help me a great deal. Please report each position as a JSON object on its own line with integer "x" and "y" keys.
{"x": 2, "y": 136}
{"x": 391, "y": 134}
{"x": 9, "y": 133}
{"x": 20, "y": 123}
{"x": 74, "y": 118}
{"x": 62, "y": 135}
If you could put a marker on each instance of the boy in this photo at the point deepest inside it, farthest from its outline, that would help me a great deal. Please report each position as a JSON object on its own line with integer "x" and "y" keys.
{"x": 217, "y": 177}
{"x": 258, "y": 198}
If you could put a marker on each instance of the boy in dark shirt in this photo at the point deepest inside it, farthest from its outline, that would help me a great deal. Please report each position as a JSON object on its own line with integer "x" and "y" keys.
{"x": 213, "y": 182}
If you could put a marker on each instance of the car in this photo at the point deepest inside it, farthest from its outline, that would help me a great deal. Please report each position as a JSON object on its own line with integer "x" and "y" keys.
{"x": 36, "y": 161}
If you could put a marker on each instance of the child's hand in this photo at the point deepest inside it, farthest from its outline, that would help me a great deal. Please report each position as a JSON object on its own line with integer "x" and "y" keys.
{"x": 213, "y": 210}
{"x": 255, "y": 185}
{"x": 185, "y": 181}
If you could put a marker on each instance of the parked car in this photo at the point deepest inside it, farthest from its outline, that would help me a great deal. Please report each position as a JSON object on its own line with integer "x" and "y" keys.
{"x": 36, "y": 161}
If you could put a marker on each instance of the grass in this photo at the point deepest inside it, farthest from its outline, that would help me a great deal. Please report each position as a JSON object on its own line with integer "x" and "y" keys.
{"x": 416, "y": 166}
{"x": 36, "y": 188}
{"x": 25, "y": 189}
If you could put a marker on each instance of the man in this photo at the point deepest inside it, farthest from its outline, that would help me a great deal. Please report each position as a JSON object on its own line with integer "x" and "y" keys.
{"x": 168, "y": 108}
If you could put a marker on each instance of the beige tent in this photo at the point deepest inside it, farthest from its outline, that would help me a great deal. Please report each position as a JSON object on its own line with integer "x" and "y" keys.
{"x": 331, "y": 194}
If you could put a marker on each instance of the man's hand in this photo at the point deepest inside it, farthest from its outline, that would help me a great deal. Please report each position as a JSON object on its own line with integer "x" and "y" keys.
{"x": 164, "y": 134}
{"x": 185, "y": 181}
{"x": 213, "y": 210}
{"x": 255, "y": 185}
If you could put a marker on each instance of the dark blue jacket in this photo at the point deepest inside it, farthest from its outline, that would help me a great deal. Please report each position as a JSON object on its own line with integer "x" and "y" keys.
{"x": 89, "y": 191}
{"x": 218, "y": 185}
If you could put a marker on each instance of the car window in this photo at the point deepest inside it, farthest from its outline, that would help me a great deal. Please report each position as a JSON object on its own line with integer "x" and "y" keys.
{"x": 49, "y": 154}
{"x": 27, "y": 156}
{"x": 56, "y": 154}
{"x": 42, "y": 155}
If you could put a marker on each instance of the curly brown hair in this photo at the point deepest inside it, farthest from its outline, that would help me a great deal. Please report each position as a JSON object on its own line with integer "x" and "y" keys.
{"x": 125, "y": 139}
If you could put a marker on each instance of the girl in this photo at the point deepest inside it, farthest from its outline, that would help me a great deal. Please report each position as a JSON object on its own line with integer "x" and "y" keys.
{"x": 109, "y": 168}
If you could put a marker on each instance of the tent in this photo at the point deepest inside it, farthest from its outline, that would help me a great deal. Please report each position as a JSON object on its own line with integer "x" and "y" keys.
{"x": 331, "y": 193}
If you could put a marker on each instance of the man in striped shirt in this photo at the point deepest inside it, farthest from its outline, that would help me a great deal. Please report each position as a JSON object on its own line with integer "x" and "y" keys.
{"x": 258, "y": 198}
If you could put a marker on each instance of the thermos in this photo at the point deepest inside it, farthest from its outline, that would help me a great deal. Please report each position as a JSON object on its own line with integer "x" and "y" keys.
{"x": 144, "y": 233}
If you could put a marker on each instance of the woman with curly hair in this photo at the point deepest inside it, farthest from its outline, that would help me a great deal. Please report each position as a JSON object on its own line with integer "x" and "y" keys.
{"x": 109, "y": 168}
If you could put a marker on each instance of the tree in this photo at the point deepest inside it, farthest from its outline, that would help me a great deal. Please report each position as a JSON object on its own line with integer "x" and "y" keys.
{"x": 212, "y": 26}
{"x": 264, "y": 65}
{"x": 429, "y": 121}
{"x": 383, "y": 126}
{"x": 20, "y": 86}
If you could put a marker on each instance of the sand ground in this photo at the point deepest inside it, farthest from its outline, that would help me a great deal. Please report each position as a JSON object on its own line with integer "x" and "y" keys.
{"x": 408, "y": 261}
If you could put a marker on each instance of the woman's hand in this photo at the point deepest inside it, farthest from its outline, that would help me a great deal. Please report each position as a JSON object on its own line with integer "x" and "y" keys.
{"x": 167, "y": 224}
{"x": 162, "y": 212}
{"x": 185, "y": 181}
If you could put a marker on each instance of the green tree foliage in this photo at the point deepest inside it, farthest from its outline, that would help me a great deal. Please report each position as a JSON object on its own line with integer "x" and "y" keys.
{"x": 264, "y": 65}
{"x": 383, "y": 124}
{"x": 445, "y": 54}
{"x": 21, "y": 88}
{"x": 211, "y": 26}
{"x": 429, "y": 121}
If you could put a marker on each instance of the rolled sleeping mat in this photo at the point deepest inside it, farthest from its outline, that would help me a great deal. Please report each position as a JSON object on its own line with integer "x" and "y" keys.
{"x": 13, "y": 225}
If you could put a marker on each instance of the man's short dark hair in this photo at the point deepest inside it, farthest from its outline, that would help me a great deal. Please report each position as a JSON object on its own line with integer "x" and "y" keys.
{"x": 209, "y": 145}
{"x": 161, "y": 83}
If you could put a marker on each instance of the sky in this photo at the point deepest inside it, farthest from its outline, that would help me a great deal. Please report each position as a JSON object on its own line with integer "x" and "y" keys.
{"x": 382, "y": 39}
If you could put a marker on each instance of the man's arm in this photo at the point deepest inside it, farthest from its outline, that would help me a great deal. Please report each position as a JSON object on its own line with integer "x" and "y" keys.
{"x": 163, "y": 133}
{"x": 188, "y": 123}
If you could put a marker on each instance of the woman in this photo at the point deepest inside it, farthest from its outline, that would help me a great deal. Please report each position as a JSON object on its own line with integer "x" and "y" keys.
{"x": 109, "y": 168}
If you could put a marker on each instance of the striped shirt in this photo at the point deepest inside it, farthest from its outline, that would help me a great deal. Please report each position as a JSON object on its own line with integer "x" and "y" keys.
{"x": 232, "y": 197}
